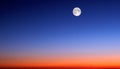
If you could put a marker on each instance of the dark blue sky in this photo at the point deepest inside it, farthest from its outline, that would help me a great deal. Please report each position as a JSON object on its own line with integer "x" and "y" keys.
{"x": 49, "y": 27}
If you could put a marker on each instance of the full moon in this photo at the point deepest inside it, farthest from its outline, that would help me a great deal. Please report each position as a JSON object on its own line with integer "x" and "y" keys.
{"x": 76, "y": 11}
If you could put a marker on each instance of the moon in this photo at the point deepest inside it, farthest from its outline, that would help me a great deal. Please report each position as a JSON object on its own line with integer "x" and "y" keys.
{"x": 76, "y": 11}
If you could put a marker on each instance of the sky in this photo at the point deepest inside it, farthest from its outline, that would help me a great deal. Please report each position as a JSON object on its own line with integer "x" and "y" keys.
{"x": 46, "y": 33}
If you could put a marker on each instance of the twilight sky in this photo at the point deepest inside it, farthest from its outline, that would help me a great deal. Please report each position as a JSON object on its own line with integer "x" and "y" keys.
{"x": 45, "y": 33}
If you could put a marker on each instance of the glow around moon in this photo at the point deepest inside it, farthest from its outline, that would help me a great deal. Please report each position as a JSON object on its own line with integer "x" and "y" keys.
{"x": 76, "y": 11}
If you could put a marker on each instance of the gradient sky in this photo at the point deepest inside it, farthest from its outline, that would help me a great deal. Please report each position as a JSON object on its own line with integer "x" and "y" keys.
{"x": 45, "y": 33}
